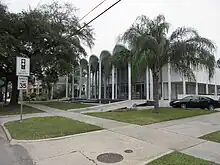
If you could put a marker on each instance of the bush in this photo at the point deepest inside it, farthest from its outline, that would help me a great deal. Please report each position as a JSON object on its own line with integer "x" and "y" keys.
{"x": 33, "y": 95}
{"x": 26, "y": 98}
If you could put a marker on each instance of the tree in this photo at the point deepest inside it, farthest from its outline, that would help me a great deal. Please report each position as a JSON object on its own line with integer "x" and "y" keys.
{"x": 48, "y": 35}
{"x": 218, "y": 63}
{"x": 184, "y": 49}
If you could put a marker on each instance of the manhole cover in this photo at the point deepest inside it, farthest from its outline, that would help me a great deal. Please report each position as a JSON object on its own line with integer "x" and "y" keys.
{"x": 128, "y": 151}
{"x": 110, "y": 158}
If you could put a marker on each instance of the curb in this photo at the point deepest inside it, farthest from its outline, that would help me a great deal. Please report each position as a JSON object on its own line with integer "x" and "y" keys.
{"x": 51, "y": 139}
{"x": 8, "y": 135}
{"x": 157, "y": 157}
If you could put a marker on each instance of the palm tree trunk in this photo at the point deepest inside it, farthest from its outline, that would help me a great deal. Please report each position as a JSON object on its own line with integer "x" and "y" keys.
{"x": 155, "y": 91}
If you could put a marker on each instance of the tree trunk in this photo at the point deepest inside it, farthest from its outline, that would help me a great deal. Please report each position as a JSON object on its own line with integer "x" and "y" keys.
{"x": 6, "y": 90}
{"x": 161, "y": 81}
{"x": 155, "y": 91}
{"x": 15, "y": 93}
{"x": 49, "y": 90}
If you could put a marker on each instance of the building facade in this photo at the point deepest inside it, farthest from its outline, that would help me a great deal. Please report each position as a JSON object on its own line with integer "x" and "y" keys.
{"x": 119, "y": 85}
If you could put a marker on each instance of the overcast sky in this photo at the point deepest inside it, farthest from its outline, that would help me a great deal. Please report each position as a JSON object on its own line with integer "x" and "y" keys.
{"x": 203, "y": 15}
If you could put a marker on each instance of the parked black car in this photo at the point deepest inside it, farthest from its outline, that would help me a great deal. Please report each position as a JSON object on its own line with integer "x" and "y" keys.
{"x": 195, "y": 102}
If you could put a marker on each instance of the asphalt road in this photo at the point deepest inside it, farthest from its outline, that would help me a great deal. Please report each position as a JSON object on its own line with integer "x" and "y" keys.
{"x": 12, "y": 154}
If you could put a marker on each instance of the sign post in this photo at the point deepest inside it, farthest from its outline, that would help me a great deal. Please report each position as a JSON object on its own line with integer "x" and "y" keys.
{"x": 22, "y": 84}
{"x": 21, "y": 95}
{"x": 22, "y": 71}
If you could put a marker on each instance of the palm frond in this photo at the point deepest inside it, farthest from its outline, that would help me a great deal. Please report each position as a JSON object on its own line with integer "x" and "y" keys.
{"x": 183, "y": 32}
{"x": 194, "y": 52}
{"x": 121, "y": 56}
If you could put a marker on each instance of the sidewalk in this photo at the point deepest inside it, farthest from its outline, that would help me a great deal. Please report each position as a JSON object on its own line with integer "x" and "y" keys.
{"x": 8, "y": 118}
{"x": 104, "y": 123}
{"x": 146, "y": 142}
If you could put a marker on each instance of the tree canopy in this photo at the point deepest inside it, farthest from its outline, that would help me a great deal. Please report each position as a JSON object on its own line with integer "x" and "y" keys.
{"x": 48, "y": 35}
{"x": 150, "y": 46}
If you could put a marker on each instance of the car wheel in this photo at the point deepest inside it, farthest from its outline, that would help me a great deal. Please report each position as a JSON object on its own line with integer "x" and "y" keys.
{"x": 211, "y": 108}
{"x": 183, "y": 106}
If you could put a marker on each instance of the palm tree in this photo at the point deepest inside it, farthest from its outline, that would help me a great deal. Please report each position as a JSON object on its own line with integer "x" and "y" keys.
{"x": 107, "y": 67}
{"x": 185, "y": 50}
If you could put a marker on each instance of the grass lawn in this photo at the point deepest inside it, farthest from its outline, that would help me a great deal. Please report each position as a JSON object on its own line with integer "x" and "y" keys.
{"x": 64, "y": 105}
{"x": 143, "y": 117}
{"x": 177, "y": 158}
{"x": 15, "y": 110}
{"x": 47, "y": 127}
{"x": 215, "y": 137}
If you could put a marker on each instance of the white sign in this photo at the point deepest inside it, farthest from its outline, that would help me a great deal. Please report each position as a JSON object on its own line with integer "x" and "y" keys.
{"x": 22, "y": 82}
{"x": 22, "y": 66}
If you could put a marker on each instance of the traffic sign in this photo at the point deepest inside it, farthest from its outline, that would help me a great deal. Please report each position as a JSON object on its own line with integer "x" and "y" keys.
{"x": 22, "y": 82}
{"x": 22, "y": 66}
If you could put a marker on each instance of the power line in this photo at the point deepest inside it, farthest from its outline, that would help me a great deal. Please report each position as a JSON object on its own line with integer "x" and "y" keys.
{"x": 92, "y": 10}
{"x": 97, "y": 16}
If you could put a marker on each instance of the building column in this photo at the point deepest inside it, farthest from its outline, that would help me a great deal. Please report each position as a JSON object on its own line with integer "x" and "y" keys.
{"x": 197, "y": 85}
{"x": 184, "y": 86}
{"x": 151, "y": 86}
{"x": 129, "y": 81}
{"x": 73, "y": 84}
{"x": 80, "y": 81}
{"x": 100, "y": 79}
{"x": 197, "y": 88}
{"x": 216, "y": 88}
{"x": 105, "y": 85}
{"x": 147, "y": 83}
{"x": 207, "y": 88}
{"x": 94, "y": 85}
{"x": 113, "y": 82}
{"x": 169, "y": 83}
{"x": 67, "y": 86}
{"x": 89, "y": 84}
{"x": 162, "y": 95}
{"x": 116, "y": 83}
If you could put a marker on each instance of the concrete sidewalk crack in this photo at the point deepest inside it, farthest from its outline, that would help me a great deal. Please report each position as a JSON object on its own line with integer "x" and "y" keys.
{"x": 192, "y": 146}
{"x": 59, "y": 155}
{"x": 92, "y": 160}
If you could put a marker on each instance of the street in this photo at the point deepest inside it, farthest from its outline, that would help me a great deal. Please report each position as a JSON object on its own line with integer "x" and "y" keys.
{"x": 12, "y": 154}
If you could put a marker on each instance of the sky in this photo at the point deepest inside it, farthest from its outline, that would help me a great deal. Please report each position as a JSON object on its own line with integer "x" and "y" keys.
{"x": 203, "y": 15}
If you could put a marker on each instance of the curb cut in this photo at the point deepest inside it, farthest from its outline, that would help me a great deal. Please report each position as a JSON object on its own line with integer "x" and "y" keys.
{"x": 157, "y": 157}
{"x": 8, "y": 135}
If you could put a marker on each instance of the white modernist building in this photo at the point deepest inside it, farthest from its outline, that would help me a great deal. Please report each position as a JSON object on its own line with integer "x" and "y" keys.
{"x": 118, "y": 84}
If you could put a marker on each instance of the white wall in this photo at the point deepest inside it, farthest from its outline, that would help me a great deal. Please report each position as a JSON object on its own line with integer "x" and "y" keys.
{"x": 202, "y": 76}
{"x": 165, "y": 74}
{"x": 217, "y": 76}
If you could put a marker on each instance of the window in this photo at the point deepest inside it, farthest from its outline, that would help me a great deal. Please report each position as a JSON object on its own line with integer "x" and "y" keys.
{"x": 187, "y": 98}
{"x": 191, "y": 98}
{"x": 205, "y": 99}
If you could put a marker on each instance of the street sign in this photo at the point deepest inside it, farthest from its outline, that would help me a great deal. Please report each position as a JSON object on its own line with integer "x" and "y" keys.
{"x": 22, "y": 82}
{"x": 22, "y": 66}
